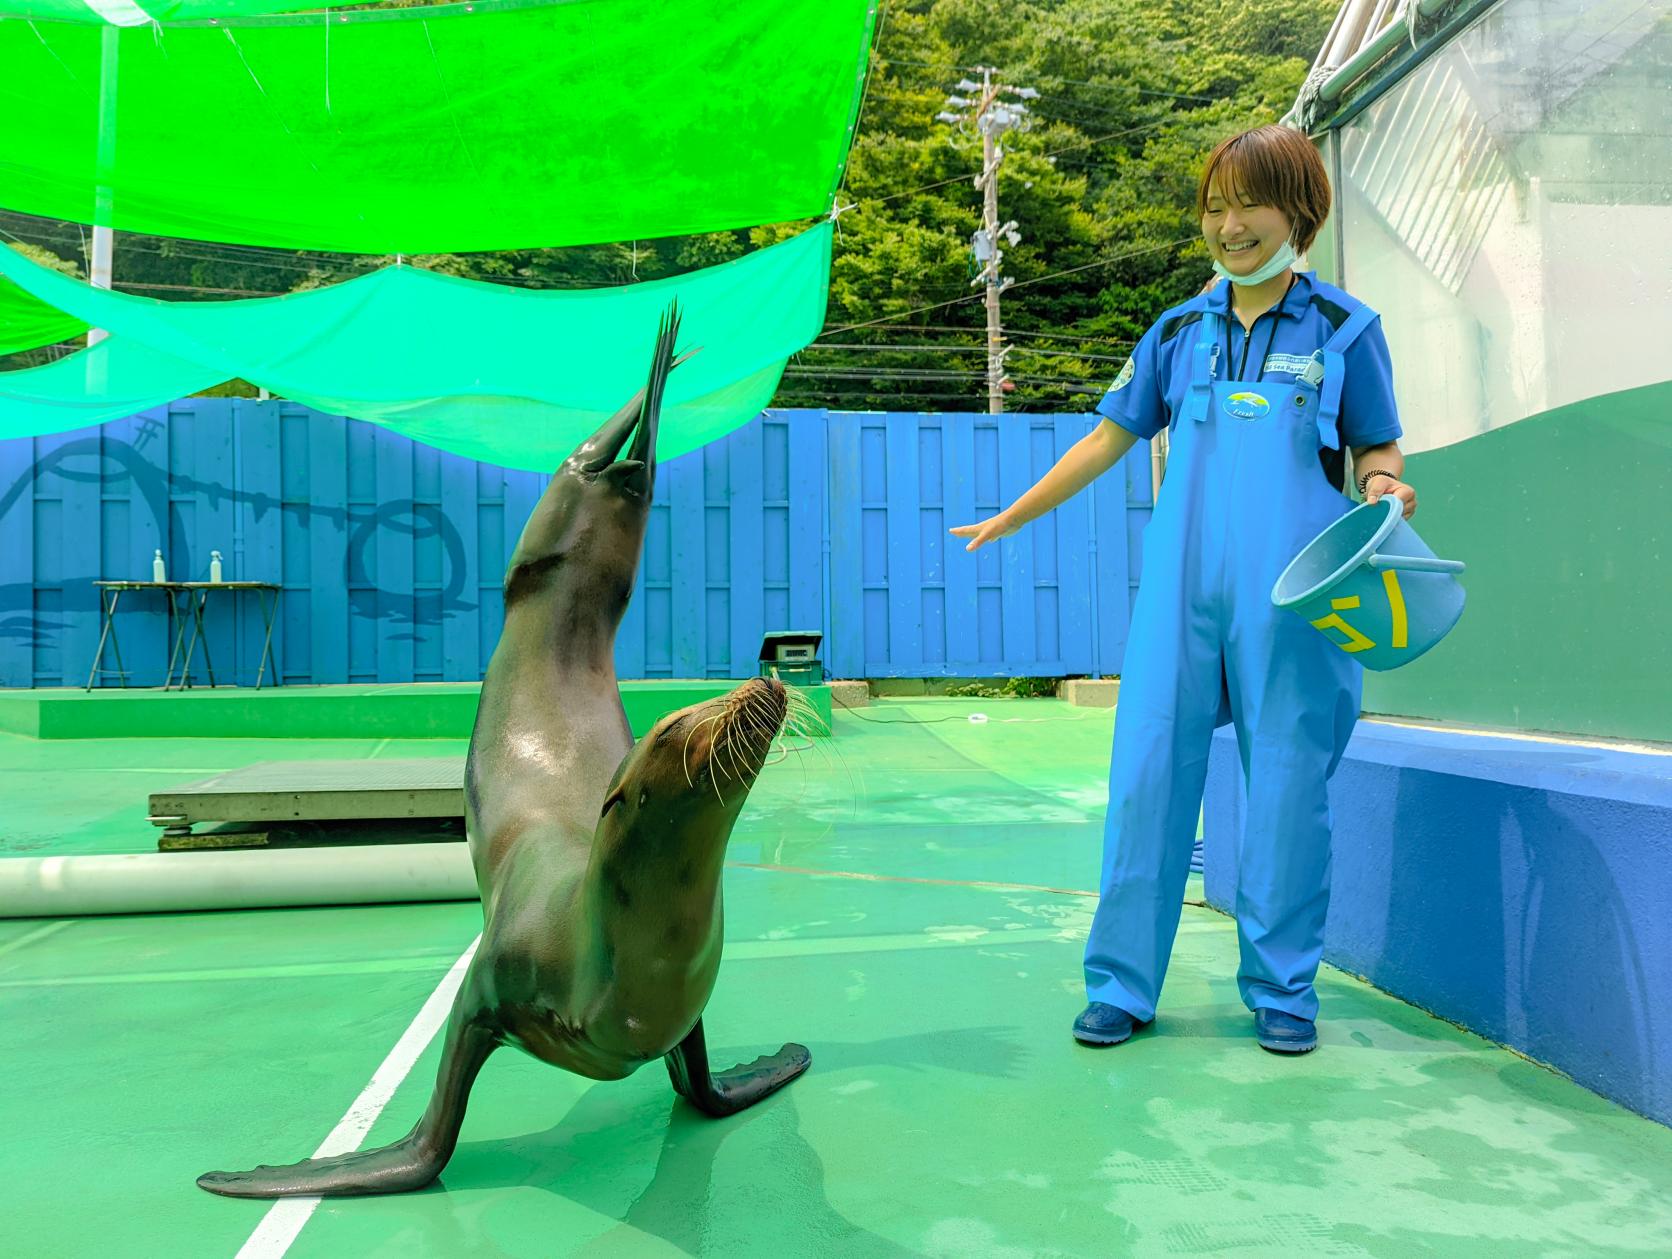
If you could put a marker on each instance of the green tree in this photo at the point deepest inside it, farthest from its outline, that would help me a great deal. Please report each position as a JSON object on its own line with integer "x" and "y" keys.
{"x": 1134, "y": 93}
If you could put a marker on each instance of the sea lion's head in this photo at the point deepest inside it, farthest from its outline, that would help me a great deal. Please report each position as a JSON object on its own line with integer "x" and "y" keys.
{"x": 598, "y": 462}
{"x": 591, "y": 521}
{"x": 689, "y": 776}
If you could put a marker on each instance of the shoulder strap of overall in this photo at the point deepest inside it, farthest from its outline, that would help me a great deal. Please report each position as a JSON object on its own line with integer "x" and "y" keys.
{"x": 1204, "y": 366}
{"x": 1333, "y": 361}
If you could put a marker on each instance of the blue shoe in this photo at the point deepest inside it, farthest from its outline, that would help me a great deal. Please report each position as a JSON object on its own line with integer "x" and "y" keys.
{"x": 1284, "y": 1033}
{"x": 1103, "y": 1024}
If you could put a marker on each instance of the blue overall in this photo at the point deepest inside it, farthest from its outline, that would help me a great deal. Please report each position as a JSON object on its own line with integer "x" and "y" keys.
{"x": 1244, "y": 492}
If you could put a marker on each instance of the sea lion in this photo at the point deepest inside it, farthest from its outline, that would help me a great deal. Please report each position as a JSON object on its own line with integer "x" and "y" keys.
{"x": 598, "y": 861}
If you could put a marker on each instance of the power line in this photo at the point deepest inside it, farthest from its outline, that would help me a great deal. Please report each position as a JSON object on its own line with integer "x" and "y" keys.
{"x": 1039, "y": 279}
{"x": 792, "y": 397}
{"x": 966, "y": 349}
{"x": 278, "y": 260}
{"x": 873, "y": 378}
{"x": 287, "y": 261}
{"x": 1067, "y": 148}
{"x": 1070, "y": 100}
{"x": 1054, "y": 336}
{"x": 1046, "y": 74}
{"x": 797, "y": 396}
{"x": 195, "y": 288}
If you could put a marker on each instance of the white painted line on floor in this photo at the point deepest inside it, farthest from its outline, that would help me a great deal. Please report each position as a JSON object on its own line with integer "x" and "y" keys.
{"x": 35, "y": 771}
{"x": 39, "y": 933}
{"x": 280, "y": 1226}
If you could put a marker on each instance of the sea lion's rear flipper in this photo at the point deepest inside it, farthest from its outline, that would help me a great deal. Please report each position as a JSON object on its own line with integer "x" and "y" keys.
{"x": 723, "y": 1093}
{"x": 410, "y": 1163}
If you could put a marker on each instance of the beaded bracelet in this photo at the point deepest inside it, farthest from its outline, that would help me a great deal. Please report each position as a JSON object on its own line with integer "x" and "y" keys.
{"x": 1365, "y": 479}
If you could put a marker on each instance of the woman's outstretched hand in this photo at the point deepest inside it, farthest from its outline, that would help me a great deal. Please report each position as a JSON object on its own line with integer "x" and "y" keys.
{"x": 989, "y": 530}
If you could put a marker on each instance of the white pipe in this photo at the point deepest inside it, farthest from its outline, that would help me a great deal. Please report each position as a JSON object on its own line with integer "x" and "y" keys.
{"x": 1350, "y": 35}
{"x": 1321, "y": 60}
{"x": 104, "y": 236}
{"x": 1379, "y": 15}
{"x": 1372, "y": 51}
{"x": 169, "y": 882}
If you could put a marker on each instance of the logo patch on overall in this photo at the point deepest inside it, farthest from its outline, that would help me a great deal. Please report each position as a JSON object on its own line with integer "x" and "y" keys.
{"x": 1125, "y": 377}
{"x": 1246, "y": 405}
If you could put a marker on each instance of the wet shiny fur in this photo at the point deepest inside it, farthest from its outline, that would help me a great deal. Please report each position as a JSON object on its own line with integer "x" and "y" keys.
{"x": 599, "y": 860}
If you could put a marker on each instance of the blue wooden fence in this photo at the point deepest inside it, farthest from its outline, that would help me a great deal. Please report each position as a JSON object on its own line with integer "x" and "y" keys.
{"x": 391, "y": 553}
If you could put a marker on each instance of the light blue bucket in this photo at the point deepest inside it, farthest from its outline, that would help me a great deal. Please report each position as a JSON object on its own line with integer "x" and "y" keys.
{"x": 1373, "y": 587}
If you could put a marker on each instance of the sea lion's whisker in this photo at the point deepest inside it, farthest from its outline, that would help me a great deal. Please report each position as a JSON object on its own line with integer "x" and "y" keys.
{"x": 800, "y": 705}
{"x": 755, "y": 723}
{"x": 749, "y": 715}
{"x": 775, "y": 714}
{"x": 731, "y": 752}
{"x": 684, "y": 758}
{"x": 714, "y": 778}
{"x": 727, "y": 749}
{"x": 724, "y": 758}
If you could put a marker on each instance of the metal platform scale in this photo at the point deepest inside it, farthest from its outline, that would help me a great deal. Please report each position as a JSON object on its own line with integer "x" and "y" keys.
{"x": 299, "y": 802}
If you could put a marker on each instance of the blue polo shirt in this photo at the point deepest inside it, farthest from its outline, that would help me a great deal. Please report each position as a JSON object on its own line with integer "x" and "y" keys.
{"x": 1150, "y": 388}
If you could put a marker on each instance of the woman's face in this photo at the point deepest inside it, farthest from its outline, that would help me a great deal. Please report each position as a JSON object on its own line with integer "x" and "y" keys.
{"x": 1241, "y": 233}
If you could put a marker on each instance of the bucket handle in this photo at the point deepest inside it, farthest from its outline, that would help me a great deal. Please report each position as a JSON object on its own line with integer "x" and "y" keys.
{"x": 1416, "y": 563}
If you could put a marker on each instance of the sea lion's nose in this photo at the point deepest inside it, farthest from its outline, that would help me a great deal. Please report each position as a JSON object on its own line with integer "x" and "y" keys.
{"x": 650, "y": 413}
{"x": 641, "y": 417}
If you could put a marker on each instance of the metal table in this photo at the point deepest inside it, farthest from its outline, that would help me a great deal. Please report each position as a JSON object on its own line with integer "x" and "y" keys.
{"x": 110, "y": 595}
{"x": 182, "y": 646}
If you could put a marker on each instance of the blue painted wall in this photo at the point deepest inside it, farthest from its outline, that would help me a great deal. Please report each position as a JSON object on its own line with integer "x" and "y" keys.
{"x": 1520, "y": 889}
{"x": 391, "y": 553}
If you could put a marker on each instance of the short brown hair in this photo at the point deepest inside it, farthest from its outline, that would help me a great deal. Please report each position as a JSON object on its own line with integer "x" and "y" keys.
{"x": 1275, "y": 166}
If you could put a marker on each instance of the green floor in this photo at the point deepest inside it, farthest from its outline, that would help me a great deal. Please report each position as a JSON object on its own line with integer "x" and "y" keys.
{"x": 909, "y": 900}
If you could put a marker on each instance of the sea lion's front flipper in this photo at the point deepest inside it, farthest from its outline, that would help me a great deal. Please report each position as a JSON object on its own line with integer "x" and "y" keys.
{"x": 723, "y": 1093}
{"x": 410, "y": 1163}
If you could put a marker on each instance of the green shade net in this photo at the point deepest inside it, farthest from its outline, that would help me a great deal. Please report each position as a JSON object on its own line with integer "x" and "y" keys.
{"x": 27, "y": 322}
{"x": 139, "y": 12}
{"x": 505, "y": 375}
{"x": 436, "y": 130}
{"x": 108, "y": 381}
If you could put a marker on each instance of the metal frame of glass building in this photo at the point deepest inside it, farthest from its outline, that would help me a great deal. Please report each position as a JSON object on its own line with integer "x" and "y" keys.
{"x": 1503, "y": 177}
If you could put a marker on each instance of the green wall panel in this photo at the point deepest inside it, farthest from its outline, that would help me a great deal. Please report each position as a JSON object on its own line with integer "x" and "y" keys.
{"x": 1562, "y": 519}
{"x": 445, "y": 711}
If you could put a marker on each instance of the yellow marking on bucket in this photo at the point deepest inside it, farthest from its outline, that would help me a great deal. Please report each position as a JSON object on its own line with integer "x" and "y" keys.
{"x": 1355, "y": 640}
{"x": 1345, "y": 605}
{"x": 1396, "y": 603}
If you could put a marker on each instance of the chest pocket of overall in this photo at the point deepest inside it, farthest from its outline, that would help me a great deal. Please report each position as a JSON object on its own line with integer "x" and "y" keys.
{"x": 1310, "y": 406}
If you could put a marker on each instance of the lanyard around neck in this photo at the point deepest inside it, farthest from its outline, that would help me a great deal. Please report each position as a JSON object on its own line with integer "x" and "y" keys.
{"x": 1248, "y": 337}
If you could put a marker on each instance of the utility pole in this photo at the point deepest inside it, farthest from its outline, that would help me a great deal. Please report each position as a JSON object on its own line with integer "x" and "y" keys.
{"x": 100, "y": 264}
{"x": 994, "y": 115}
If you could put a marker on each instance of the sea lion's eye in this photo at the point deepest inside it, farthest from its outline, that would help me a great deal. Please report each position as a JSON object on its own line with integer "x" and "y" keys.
{"x": 614, "y": 799}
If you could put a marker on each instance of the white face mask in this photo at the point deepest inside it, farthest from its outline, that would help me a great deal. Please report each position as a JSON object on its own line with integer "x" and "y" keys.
{"x": 1278, "y": 263}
